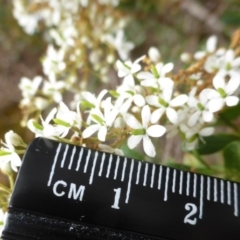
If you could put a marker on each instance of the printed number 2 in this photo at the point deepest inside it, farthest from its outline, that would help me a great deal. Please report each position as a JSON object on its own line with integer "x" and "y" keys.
{"x": 193, "y": 208}
{"x": 117, "y": 197}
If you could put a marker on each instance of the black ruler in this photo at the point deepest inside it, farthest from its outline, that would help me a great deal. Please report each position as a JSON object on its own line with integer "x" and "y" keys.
{"x": 69, "y": 192}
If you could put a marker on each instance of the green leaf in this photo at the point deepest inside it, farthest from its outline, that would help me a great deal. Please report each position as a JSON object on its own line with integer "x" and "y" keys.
{"x": 230, "y": 113}
{"x": 37, "y": 126}
{"x": 130, "y": 153}
{"x": 61, "y": 122}
{"x": 231, "y": 154}
{"x": 215, "y": 143}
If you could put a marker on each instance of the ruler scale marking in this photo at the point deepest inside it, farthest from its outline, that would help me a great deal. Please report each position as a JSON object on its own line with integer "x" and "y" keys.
{"x": 72, "y": 156}
{"x": 129, "y": 182}
{"x": 174, "y": 180}
{"x": 166, "y": 185}
{"x": 215, "y": 190}
{"x": 222, "y": 191}
{"x": 160, "y": 177}
{"x": 64, "y": 156}
{"x": 188, "y": 184}
{"x": 235, "y": 199}
{"x": 87, "y": 161}
{"x": 181, "y": 181}
{"x": 201, "y": 197}
{"x": 79, "y": 159}
{"x": 109, "y": 166}
{"x": 145, "y": 175}
{"x": 93, "y": 168}
{"x": 54, "y": 165}
{"x": 229, "y": 193}
{"x": 116, "y": 168}
{"x": 101, "y": 166}
{"x": 124, "y": 169}
{"x": 153, "y": 175}
{"x": 138, "y": 172}
{"x": 195, "y": 186}
{"x": 208, "y": 188}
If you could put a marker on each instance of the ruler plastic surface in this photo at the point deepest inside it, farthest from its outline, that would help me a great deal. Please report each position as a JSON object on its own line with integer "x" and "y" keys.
{"x": 69, "y": 192}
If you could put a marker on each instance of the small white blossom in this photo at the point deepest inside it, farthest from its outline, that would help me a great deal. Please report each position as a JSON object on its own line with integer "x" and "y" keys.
{"x": 127, "y": 69}
{"x": 165, "y": 103}
{"x": 199, "y": 108}
{"x": 120, "y": 44}
{"x": 211, "y": 46}
{"x": 154, "y": 54}
{"x": 102, "y": 121}
{"x": 223, "y": 93}
{"x": 29, "y": 87}
{"x": 143, "y": 131}
{"x": 8, "y": 151}
{"x": 157, "y": 76}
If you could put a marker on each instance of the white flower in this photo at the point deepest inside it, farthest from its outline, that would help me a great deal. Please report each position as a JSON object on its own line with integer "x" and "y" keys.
{"x": 199, "y": 108}
{"x": 54, "y": 89}
{"x": 143, "y": 131}
{"x": 29, "y": 87}
{"x": 67, "y": 119}
{"x": 91, "y": 101}
{"x": 193, "y": 134}
{"x": 8, "y": 151}
{"x": 54, "y": 61}
{"x": 211, "y": 46}
{"x": 154, "y": 54}
{"x": 129, "y": 93}
{"x": 120, "y": 44}
{"x": 223, "y": 93}
{"x": 157, "y": 76}
{"x": 127, "y": 69}
{"x": 165, "y": 103}
{"x": 102, "y": 121}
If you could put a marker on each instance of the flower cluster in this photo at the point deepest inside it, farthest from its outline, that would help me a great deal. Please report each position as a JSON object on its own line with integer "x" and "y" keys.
{"x": 85, "y": 38}
{"x": 149, "y": 103}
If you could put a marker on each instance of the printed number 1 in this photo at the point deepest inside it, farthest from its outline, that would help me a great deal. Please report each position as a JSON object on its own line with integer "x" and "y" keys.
{"x": 193, "y": 208}
{"x": 117, "y": 197}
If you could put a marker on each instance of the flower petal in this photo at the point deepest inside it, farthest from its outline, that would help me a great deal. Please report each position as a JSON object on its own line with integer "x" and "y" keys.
{"x": 232, "y": 101}
{"x": 215, "y": 105}
{"x": 157, "y": 114}
{"x": 133, "y": 141}
{"x": 172, "y": 115}
{"x": 102, "y": 133}
{"x": 219, "y": 82}
{"x": 193, "y": 119}
{"x": 131, "y": 121}
{"x": 179, "y": 100}
{"x": 152, "y": 100}
{"x": 211, "y": 44}
{"x": 167, "y": 68}
{"x": 206, "y": 131}
{"x": 207, "y": 116}
{"x": 232, "y": 85}
{"x": 146, "y": 115}
{"x": 15, "y": 161}
{"x": 156, "y": 131}
{"x": 89, "y": 131}
{"x": 148, "y": 147}
{"x": 139, "y": 100}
